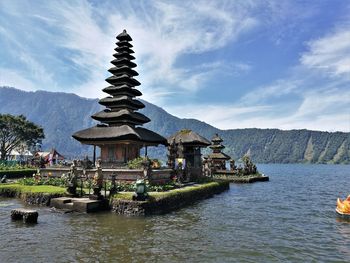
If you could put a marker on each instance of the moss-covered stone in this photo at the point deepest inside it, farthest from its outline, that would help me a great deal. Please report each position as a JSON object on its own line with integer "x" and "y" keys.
{"x": 34, "y": 195}
{"x": 164, "y": 202}
{"x": 243, "y": 179}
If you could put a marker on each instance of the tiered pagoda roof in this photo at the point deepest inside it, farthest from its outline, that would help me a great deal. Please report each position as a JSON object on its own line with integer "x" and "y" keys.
{"x": 217, "y": 148}
{"x": 120, "y": 117}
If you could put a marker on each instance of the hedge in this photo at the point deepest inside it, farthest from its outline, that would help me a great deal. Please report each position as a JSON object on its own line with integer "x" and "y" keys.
{"x": 35, "y": 195}
{"x": 17, "y": 173}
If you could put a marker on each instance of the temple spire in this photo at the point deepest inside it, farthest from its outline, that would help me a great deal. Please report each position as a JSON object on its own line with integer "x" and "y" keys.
{"x": 217, "y": 156}
{"x": 120, "y": 136}
{"x": 122, "y": 105}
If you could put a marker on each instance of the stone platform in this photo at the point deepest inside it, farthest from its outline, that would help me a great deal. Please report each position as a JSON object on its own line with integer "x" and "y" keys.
{"x": 84, "y": 205}
{"x": 228, "y": 175}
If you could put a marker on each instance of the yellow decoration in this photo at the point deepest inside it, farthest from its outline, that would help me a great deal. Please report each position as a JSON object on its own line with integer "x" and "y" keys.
{"x": 343, "y": 206}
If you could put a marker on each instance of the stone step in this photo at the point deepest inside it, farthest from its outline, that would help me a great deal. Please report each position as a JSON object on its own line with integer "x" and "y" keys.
{"x": 79, "y": 204}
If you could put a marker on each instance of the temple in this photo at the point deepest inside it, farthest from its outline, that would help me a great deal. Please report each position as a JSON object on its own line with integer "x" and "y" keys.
{"x": 185, "y": 148}
{"x": 119, "y": 135}
{"x": 217, "y": 156}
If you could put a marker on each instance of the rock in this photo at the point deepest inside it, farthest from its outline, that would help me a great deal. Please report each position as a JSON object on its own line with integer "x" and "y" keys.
{"x": 27, "y": 215}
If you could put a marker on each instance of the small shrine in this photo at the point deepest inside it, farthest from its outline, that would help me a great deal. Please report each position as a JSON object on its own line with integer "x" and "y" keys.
{"x": 184, "y": 152}
{"x": 217, "y": 157}
{"x": 119, "y": 135}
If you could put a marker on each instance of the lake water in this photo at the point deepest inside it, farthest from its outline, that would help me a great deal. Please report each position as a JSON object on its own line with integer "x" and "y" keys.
{"x": 289, "y": 219}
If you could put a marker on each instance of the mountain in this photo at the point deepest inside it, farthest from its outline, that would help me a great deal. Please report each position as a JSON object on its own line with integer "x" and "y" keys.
{"x": 62, "y": 114}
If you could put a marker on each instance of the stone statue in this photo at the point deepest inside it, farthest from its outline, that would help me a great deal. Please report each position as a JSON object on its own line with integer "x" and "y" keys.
{"x": 72, "y": 179}
{"x": 233, "y": 166}
{"x": 179, "y": 172}
{"x": 146, "y": 165}
{"x": 204, "y": 166}
{"x": 210, "y": 167}
{"x": 172, "y": 150}
{"x": 113, "y": 188}
{"x": 180, "y": 149}
{"x": 86, "y": 163}
{"x": 97, "y": 181}
{"x": 249, "y": 166}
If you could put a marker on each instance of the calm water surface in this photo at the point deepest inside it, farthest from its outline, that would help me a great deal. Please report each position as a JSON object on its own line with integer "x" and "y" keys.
{"x": 289, "y": 219}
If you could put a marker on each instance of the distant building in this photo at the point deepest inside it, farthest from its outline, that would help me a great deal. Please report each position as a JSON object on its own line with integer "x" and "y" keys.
{"x": 20, "y": 156}
{"x": 217, "y": 156}
{"x": 51, "y": 157}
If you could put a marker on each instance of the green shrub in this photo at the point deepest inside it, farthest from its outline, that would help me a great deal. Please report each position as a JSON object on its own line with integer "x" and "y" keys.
{"x": 18, "y": 189}
{"x": 18, "y": 173}
{"x": 136, "y": 163}
{"x": 12, "y": 165}
{"x": 161, "y": 187}
{"x": 42, "y": 181}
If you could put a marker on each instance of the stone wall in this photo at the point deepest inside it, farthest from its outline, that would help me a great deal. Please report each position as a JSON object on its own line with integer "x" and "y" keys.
{"x": 242, "y": 179}
{"x": 30, "y": 198}
{"x": 168, "y": 203}
{"x": 158, "y": 176}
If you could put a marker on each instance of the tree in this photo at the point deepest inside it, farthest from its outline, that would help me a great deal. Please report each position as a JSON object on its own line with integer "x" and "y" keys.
{"x": 16, "y": 131}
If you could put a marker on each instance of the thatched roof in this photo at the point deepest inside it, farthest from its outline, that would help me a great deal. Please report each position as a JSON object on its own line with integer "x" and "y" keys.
{"x": 123, "y": 70}
{"x": 219, "y": 156}
{"x": 216, "y": 139}
{"x": 123, "y": 79}
{"x": 121, "y": 116}
{"x": 217, "y": 147}
{"x": 122, "y": 90}
{"x": 124, "y": 43}
{"x": 121, "y": 102}
{"x": 123, "y": 55}
{"x": 123, "y": 61}
{"x": 190, "y": 138}
{"x": 124, "y": 49}
{"x": 124, "y": 36}
{"x": 122, "y": 133}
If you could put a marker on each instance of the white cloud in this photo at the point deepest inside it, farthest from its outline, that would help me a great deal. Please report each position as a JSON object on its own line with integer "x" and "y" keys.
{"x": 38, "y": 72}
{"x": 163, "y": 36}
{"x": 327, "y": 110}
{"x": 280, "y": 88}
{"x": 10, "y": 78}
{"x": 331, "y": 53}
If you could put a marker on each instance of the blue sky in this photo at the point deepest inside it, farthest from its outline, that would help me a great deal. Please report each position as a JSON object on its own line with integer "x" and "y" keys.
{"x": 233, "y": 64}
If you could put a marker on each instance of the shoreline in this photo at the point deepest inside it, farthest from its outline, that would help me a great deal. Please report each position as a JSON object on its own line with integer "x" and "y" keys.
{"x": 122, "y": 203}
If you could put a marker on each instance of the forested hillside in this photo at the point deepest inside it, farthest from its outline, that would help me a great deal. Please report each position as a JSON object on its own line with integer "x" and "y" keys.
{"x": 61, "y": 114}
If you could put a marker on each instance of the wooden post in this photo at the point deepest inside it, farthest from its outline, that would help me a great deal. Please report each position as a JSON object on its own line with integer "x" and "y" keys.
{"x": 146, "y": 151}
{"x": 94, "y": 156}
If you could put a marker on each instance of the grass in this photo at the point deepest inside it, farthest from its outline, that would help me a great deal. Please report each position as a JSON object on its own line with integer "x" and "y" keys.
{"x": 156, "y": 196}
{"x": 49, "y": 189}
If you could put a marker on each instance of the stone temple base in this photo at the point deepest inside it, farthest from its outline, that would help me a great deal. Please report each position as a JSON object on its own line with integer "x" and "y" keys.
{"x": 84, "y": 205}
